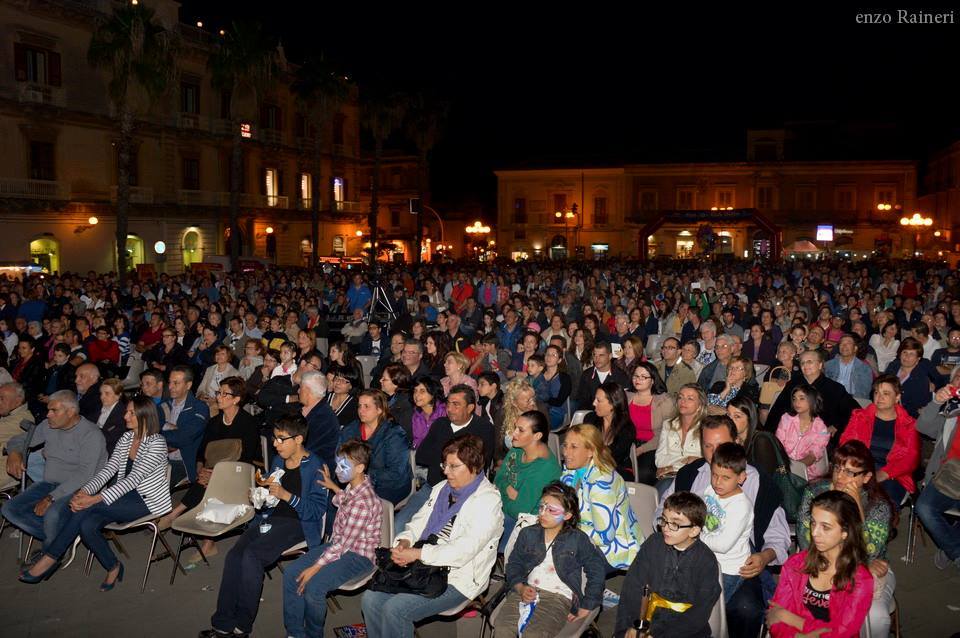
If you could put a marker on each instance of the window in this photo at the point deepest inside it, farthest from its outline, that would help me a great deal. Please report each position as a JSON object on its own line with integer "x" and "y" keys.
{"x": 648, "y": 200}
{"x": 765, "y": 197}
{"x": 300, "y": 126}
{"x": 306, "y": 189}
{"x": 271, "y": 185}
{"x": 560, "y": 203}
{"x": 45, "y": 251}
{"x": 396, "y": 177}
{"x": 394, "y": 217}
{"x": 600, "y": 216}
{"x": 41, "y": 161}
{"x": 191, "y": 174}
{"x": 885, "y": 195}
{"x": 339, "y": 244}
{"x": 765, "y": 151}
{"x": 339, "y": 191}
{"x": 520, "y": 210}
{"x": 686, "y": 198}
{"x": 189, "y": 97}
{"x": 192, "y": 248}
{"x": 270, "y": 117}
{"x": 725, "y": 198}
{"x": 806, "y": 198}
{"x": 520, "y": 233}
{"x": 36, "y": 65}
{"x": 846, "y": 198}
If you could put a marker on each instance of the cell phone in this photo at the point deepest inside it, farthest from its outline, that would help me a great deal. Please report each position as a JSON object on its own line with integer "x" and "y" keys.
{"x": 695, "y": 286}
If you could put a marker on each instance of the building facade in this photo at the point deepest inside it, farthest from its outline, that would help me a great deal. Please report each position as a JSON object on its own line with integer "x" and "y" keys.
{"x": 59, "y": 165}
{"x": 745, "y": 208}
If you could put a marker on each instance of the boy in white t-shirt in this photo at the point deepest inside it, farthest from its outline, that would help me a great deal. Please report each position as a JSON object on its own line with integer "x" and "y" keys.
{"x": 729, "y": 520}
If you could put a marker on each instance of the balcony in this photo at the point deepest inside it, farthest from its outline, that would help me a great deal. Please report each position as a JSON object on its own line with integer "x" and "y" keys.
{"x": 138, "y": 194}
{"x": 30, "y": 93}
{"x": 186, "y": 197}
{"x": 304, "y": 204}
{"x": 33, "y": 189}
{"x": 347, "y": 207}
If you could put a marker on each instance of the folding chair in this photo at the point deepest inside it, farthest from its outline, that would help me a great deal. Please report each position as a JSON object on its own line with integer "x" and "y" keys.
{"x": 8, "y": 485}
{"x": 555, "y": 445}
{"x": 862, "y": 401}
{"x": 386, "y": 540}
{"x": 718, "y": 616}
{"x": 367, "y": 362}
{"x": 579, "y": 416}
{"x": 653, "y": 347}
{"x": 643, "y": 502}
{"x": 265, "y": 450}
{"x": 149, "y": 521}
{"x": 230, "y": 483}
{"x": 634, "y": 464}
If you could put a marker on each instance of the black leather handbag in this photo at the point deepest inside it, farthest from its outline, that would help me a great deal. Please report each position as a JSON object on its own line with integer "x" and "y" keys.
{"x": 428, "y": 581}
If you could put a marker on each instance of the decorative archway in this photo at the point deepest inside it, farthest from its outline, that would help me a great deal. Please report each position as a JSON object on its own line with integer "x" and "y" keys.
{"x": 191, "y": 245}
{"x": 708, "y": 216}
{"x": 45, "y": 252}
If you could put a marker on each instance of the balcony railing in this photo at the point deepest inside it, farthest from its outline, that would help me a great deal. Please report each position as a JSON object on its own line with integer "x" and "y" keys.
{"x": 138, "y": 194}
{"x": 347, "y": 207}
{"x": 304, "y": 204}
{"x": 188, "y": 197}
{"x": 30, "y": 93}
{"x": 33, "y": 189}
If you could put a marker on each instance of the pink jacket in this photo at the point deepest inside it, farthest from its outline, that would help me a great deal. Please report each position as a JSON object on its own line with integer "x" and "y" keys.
{"x": 848, "y": 608}
{"x": 799, "y": 445}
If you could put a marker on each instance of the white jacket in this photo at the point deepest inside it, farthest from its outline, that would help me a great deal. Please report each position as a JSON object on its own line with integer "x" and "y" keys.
{"x": 472, "y": 548}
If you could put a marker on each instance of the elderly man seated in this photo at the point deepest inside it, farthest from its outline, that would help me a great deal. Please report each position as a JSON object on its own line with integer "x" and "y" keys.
{"x": 13, "y": 411}
{"x": 75, "y": 450}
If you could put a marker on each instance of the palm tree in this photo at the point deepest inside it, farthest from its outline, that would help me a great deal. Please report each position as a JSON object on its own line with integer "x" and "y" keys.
{"x": 320, "y": 92}
{"x": 139, "y": 56}
{"x": 426, "y": 118}
{"x": 382, "y": 112}
{"x": 243, "y": 64}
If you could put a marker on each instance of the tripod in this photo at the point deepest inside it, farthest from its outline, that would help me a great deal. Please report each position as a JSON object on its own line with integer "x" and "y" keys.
{"x": 380, "y": 306}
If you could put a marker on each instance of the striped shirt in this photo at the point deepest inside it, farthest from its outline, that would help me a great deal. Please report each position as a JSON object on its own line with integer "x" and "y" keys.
{"x": 148, "y": 475}
{"x": 357, "y": 526}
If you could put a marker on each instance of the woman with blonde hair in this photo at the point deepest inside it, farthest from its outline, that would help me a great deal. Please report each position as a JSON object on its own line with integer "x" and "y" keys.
{"x": 680, "y": 438}
{"x": 455, "y": 367}
{"x": 605, "y": 514}
{"x": 518, "y": 397}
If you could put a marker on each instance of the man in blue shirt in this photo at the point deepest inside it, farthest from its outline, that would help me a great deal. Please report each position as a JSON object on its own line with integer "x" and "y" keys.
{"x": 359, "y": 295}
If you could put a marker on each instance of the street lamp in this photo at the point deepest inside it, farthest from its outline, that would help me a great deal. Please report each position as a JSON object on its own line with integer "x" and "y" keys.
{"x": 568, "y": 217}
{"x": 917, "y": 222}
{"x": 478, "y": 231}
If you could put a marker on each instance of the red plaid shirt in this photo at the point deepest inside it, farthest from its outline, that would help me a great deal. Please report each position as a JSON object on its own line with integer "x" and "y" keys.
{"x": 357, "y": 526}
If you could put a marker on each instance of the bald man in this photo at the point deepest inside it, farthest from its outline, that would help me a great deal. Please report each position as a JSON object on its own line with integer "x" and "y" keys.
{"x": 88, "y": 391}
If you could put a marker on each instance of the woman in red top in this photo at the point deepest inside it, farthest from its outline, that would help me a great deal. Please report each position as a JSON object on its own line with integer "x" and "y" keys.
{"x": 828, "y": 587}
{"x": 649, "y": 406}
{"x": 104, "y": 348}
{"x": 889, "y": 431}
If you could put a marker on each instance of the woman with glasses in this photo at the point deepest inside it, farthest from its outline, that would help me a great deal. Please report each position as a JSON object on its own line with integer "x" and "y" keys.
{"x": 890, "y": 434}
{"x": 167, "y": 354}
{"x": 230, "y": 423}
{"x": 853, "y": 472}
{"x": 740, "y": 381}
{"x": 527, "y": 468}
{"x": 344, "y": 386}
{"x": 458, "y": 528}
{"x": 547, "y": 565}
{"x": 649, "y": 405}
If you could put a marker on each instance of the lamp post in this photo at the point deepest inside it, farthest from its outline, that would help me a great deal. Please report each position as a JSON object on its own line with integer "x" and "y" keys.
{"x": 478, "y": 231}
{"x": 917, "y": 222}
{"x": 567, "y": 217}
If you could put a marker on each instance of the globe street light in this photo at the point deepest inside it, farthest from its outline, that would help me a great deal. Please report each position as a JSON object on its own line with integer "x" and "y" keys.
{"x": 917, "y": 223}
{"x": 478, "y": 230}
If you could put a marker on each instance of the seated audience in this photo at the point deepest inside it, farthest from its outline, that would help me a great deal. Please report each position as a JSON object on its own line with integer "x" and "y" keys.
{"x": 429, "y": 405}
{"x": 803, "y": 433}
{"x": 397, "y": 385}
{"x": 916, "y": 375}
{"x": 184, "y": 421}
{"x": 649, "y": 406}
{"x": 611, "y": 416}
{"x": 343, "y": 398}
{"x": 111, "y": 419}
{"x": 680, "y": 437}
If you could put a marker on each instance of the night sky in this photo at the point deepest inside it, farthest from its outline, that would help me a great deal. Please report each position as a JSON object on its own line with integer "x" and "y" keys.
{"x": 599, "y": 85}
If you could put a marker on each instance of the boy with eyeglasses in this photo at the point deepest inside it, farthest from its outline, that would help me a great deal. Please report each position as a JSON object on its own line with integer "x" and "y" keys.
{"x": 677, "y": 566}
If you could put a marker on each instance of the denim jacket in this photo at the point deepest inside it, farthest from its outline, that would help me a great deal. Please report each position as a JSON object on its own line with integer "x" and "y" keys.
{"x": 572, "y": 551}
{"x": 311, "y": 503}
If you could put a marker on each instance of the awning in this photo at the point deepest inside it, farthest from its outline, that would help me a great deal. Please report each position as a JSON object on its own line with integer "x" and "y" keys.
{"x": 803, "y": 246}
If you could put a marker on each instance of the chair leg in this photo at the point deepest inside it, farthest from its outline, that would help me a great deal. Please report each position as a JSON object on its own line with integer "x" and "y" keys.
{"x": 896, "y": 618}
{"x": 88, "y": 563}
{"x": 26, "y": 553}
{"x": 73, "y": 553}
{"x": 200, "y": 551}
{"x": 173, "y": 574}
{"x": 153, "y": 546}
{"x": 163, "y": 540}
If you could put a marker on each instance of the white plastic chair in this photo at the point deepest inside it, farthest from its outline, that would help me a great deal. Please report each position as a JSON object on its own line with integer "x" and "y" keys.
{"x": 553, "y": 442}
{"x": 579, "y": 416}
{"x": 653, "y": 346}
{"x": 367, "y": 363}
{"x": 864, "y": 402}
{"x": 413, "y": 484}
{"x": 643, "y": 502}
{"x": 718, "y": 616}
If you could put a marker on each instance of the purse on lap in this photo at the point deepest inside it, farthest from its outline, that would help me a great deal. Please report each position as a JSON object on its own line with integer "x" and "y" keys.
{"x": 417, "y": 578}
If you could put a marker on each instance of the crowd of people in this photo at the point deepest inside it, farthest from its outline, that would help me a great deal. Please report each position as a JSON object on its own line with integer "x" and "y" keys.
{"x": 781, "y": 412}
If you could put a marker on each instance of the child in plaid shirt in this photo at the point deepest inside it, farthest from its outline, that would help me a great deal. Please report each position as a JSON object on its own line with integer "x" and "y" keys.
{"x": 349, "y": 554}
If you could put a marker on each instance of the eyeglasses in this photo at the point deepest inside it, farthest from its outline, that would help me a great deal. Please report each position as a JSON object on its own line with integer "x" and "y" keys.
{"x": 450, "y": 466}
{"x": 281, "y": 439}
{"x": 220, "y": 393}
{"x": 670, "y": 525}
{"x": 642, "y": 377}
{"x": 847, "y": 472}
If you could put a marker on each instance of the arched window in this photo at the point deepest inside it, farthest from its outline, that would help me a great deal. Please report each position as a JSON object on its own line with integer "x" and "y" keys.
{"x": 45, "y": 251}
{"x": 192, "y": 247}
{"x": 134, "y": 251}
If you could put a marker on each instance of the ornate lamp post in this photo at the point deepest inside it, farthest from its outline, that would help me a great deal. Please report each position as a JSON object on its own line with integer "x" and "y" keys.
{"x": 917, "y": 223}
{"x": 478, "y": 231}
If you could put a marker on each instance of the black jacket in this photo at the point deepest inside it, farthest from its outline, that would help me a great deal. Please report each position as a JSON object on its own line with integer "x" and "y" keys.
{"x": 401, "y": 411}
{"x": 589, "y": 382}
{"x": 688, "y": 576}
{"x": 838, "y": 405}
{"x": 430, "y": 452}
{"x": 90, "y": 404}
{"x": 115, "y": 426}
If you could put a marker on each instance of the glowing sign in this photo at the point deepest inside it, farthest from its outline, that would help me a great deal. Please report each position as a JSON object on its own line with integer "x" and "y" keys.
{"x": 246, "y": 130}
{"x": 824, "y": 233}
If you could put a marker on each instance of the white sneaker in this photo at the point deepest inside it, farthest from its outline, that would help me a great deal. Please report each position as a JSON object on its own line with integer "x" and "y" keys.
{"x": 941, "y": 561}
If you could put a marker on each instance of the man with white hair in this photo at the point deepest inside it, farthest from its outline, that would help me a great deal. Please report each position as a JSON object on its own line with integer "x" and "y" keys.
{"x": 88, "y": 391}
{"x": 323, "y": 432}
{"x": 75, "y": 450}
{"x": 13, "y": 410}
{"x": 716, "y": 370}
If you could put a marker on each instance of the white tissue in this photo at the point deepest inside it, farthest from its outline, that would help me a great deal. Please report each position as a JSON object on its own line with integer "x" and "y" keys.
{"x": 260, "y": 496}
{"x": 216, "y": 511}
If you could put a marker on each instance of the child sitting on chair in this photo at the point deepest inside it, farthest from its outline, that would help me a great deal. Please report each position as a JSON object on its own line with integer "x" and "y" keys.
{"x": 676, "y": 565}
{"x": 349, "y": 554}
{"x": 546, "y": 566}
{"x": 298, "y": 516}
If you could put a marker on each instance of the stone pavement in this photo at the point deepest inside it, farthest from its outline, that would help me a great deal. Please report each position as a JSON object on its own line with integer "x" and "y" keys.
{"x": 69, "y": 604}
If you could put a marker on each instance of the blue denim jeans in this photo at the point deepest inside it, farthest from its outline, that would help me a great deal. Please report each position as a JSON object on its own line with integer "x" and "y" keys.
{"x": 88, "y": 524}
{"x": 418, "y": 500}
{"x": 304, "y": 616}
{"x": 931, "y": 506}
{"x": 730, "y": 584}
{"x": 392, "y": 615}
{"x": 19, "y": 513}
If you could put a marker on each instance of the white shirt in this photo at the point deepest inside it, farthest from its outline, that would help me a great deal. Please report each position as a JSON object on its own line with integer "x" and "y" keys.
{"x": 175, "y": 410}
{"x": 544, "y": 576}
{"x": 728, "y": 528}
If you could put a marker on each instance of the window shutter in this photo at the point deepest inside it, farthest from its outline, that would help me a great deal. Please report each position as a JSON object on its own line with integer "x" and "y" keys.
{"x": 263, "y": 180}
{"x": 20, "y": 61}
{"x": 53, "y": 68}
{"x": 346, "y": 197}
{"x": 281, "y": 190}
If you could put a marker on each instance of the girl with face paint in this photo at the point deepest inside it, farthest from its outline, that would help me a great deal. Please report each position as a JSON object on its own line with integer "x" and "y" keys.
{"x": 546, "y": 567}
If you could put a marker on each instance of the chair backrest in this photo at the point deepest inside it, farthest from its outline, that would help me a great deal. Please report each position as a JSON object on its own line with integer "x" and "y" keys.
{"x": 525, "y": 520}
{"x": 643, "y": 502}
{"x": 553, "y": 442}
{"x": 367, "y": 362}
{"x": 760, "y": 369}
{"x": 231, "y": 482}
{"x": 386, "y": 524}
{"x": 265, "y": 448}
{"x": 653, "y": 346}
{"x": 633, "y": 461}
{"x": 579, "y": 416}
{"x": 718, "y": 616}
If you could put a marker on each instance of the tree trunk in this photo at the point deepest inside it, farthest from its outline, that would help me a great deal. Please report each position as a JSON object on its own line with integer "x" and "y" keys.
{"x": 422, "y": 194}
{"x": 315, "y": 195}
{"x": 123, "y": 189}
{"x": 236, "y": 166}
{"x": 374, "y": 198}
